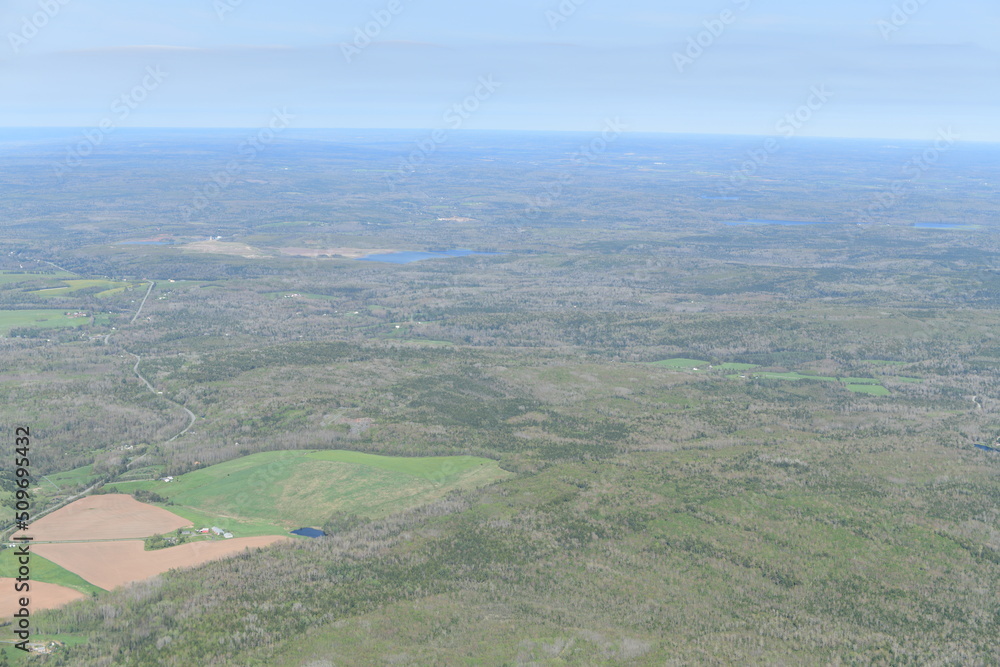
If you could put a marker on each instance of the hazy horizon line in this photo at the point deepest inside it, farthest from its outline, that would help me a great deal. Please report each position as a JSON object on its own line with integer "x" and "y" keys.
{"x": 289, "y": 131}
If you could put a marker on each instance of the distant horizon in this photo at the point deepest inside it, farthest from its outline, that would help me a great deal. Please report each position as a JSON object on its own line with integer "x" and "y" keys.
{"x": 471, "y": 131}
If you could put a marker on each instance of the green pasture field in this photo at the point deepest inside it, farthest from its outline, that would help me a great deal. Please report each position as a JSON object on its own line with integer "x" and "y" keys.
{"x": 700, "y": 364}
{"x": 17, "y": 657}
{"x": 42, "y": 319}
{"x": 45, "y": 571}
{"x": 872, "y": 389}
{"x": 272, "y": 492}
{"x": 871, "y": 386}
{"x": 71, "y": 286}
{"x": 70, "y": 478}
{"x": 681, "y": 364}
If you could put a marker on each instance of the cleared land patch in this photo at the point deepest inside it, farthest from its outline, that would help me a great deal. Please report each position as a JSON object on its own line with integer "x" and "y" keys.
{"x": 225, "y": 248}
{"x": 70, "y": 478}
{"x": 41, "y": 319}
{"x": 68, "y": 287}
{"x": 700, "y": 365}
{"x": 870, "y": 386}
{"x": 348, "y": 253}
{"x": 105, "y": 517}
{"x": 42, "y": 596}
{"x": 682, "y": 364}
{"x": 290, "y": 489}
{"x": 113, "y": 564}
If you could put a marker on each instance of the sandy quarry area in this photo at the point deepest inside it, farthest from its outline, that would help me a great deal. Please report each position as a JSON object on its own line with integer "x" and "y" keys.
{"x": 225, "y": 248}
{"x": 113, "y": 564}
{"x": 41, "y": 596}
{"x": 105, "y": 517}
{"x": 333, "y": 253}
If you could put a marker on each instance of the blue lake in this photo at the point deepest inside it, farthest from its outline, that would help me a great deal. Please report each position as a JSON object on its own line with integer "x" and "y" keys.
{"x": 309, "y": 532}
{"x": 721, "y": 198}
{"x": 407, "y": 257}
{"x": 773, "y": 222}
{"x": 940, "y": 225}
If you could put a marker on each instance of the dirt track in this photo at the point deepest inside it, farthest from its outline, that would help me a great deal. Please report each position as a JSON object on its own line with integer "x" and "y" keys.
{"x": 41, "y": 595}
{"x": 105, "y": 517}
{"x": 113, "y": 564}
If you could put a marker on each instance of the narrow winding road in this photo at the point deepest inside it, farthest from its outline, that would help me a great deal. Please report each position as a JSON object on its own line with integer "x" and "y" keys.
{"x": 191, "y": 415}
{"x": 135, "y": 369}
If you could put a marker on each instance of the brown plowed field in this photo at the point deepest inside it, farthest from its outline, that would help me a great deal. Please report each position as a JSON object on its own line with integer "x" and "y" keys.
{"x": 113, "y": 564}
{"x": 42, "y": 596}
{"x": 106, "y": 517}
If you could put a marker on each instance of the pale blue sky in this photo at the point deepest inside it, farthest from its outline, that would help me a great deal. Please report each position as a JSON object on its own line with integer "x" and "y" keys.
{"x": 935, "y": 67}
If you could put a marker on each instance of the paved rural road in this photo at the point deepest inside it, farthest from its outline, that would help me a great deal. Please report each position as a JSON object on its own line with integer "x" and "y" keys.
{"x": 135, "y": 369}
{"x": 191, "y": 415}
{"x": 148, "y": 292}
{"x": 49, "y": 510}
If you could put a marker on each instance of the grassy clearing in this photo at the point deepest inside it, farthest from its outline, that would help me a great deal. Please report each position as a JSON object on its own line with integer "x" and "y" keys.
{"x": 71, "y": 286}
{"x": 72, "y": 478}
{"x": 700, "y": 365}
{"x": 299, "y": 295}
{"x": 870, "y": 386}
{"x": 729, "y": 366}
{"x": 871, "y": 389}
{"x": 793, "y": 376}
{"x": 41, "y": 319}
{"x": 17, "y": 657}
{"x": 239, "y": 527}
{"x": 681, "y": 364}
{"x": 271, "y": 492}
{"x": 46, "y": 571}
